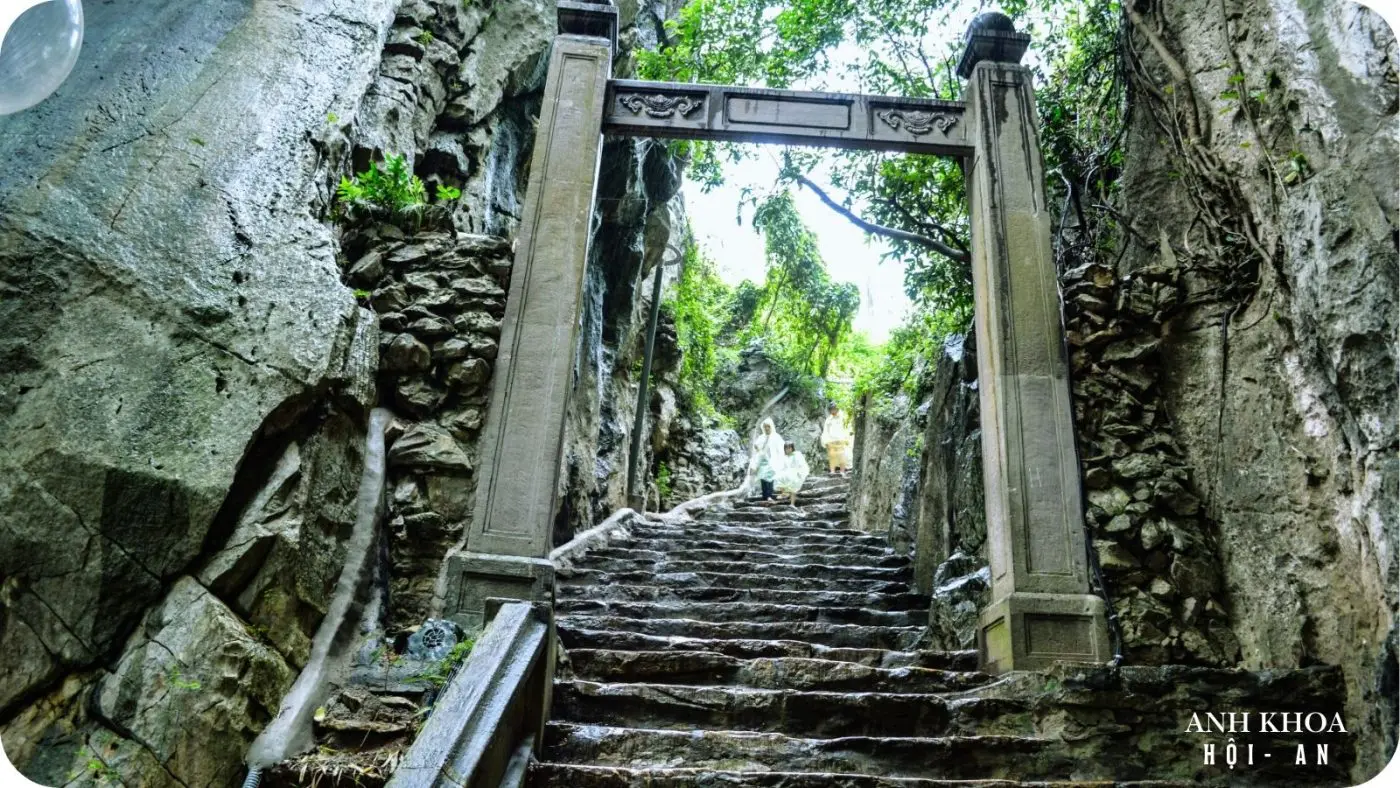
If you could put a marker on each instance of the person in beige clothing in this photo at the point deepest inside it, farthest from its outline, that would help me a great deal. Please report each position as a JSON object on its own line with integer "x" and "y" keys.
{"x": 836, "y": 439}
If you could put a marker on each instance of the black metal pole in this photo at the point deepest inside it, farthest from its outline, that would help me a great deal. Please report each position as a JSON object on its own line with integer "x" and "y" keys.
{"x": 635, "y": 500}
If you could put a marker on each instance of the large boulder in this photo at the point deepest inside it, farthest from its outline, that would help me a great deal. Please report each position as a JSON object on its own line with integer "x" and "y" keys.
{"x": 171, "y": 300}
{"x": 194, "y": 687}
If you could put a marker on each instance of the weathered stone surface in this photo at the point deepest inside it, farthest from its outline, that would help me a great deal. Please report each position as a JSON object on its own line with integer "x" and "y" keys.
{"x": 283, "y": 558}
{"x": 468, "y": 375}
{"x": 194, "y": 686}
{"x": 404, "y": 353}
{"x": 425, "y": 445}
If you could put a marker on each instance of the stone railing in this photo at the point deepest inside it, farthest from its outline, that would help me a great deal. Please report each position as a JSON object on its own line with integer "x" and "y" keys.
{"x": 491, "y": 715}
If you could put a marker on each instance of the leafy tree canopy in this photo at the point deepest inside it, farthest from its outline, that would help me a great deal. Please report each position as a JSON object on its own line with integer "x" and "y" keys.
{"x": 917, "y": 203}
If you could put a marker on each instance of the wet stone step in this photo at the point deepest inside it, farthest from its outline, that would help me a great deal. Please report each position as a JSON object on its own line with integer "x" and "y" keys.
{"x": 837, "y": 556}
{"x": 771, "y": 532}
{"x": 804, "y": 499}
{"x": 588, "y": 577}
{"x": 793, "y": 712}
{"x": 832, "y": 512}
{"x": 996, "y": 757}
{"x": 722, "y": 612}
{"x": 874, "y": 600}
{"x": 564, "y": 775}
{"x": 839, "y": 635}
{"x": 575, "y": 637}
{"x": 825, "y": 571}
{"x": 711, "y": 668}
{"x": 745, "y": 537}
{"x": 758, "y": 542}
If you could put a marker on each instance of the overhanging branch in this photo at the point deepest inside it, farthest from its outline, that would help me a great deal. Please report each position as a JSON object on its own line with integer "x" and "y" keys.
{"x": 881, "y": 230}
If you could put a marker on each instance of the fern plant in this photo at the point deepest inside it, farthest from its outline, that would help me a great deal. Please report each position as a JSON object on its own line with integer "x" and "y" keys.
{"x": 393, "y": 189}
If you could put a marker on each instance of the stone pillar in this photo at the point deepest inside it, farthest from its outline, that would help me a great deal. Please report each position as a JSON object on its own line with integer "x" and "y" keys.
{"x": 504, "y": 555}
{"x": 1042, "y": 610}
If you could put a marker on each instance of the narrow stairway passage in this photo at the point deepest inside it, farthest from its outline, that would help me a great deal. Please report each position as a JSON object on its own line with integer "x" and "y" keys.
{"x": 763, "y": 645}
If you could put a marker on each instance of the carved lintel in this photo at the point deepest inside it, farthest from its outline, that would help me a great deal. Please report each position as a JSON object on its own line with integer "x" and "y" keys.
{"x": 916, "y": 122}
{"x": 660, "y": 105}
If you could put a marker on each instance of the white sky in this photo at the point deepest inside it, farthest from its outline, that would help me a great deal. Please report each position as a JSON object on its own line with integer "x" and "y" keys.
{"x": 738, "y": 249}
{"x": 850, "y": 257}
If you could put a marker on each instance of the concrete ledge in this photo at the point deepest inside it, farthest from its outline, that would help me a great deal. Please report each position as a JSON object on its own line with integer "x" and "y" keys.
{"x": 1036, "y": 631}
{"x": 494, "y": 704}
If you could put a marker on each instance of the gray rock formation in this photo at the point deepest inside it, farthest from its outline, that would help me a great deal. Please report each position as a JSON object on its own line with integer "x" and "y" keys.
{"x": 918, "y": 481}
{"x": 1281, "y": 383}
{"x": 186, "y": 369}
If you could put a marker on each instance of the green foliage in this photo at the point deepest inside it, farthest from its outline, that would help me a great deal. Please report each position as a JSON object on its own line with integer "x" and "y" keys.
{"x": 698, "y": 306}
{"x": 907, "y": 355}
{"x": 441, "y": 671}
{"x": 1081, "y": 97}
{"x": 426, "y": 37}
{"x": 361, "y": 295}
{"x": 394, "y": 189}
{"x": 448, "y": 193}
{"x": 663, "y": 480}
{"x": 173, "y": 676}
{"x": 802, "y": 314}
{"x": 332, "y": 118}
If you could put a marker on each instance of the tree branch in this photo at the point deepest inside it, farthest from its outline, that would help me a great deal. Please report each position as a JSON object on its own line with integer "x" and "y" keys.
{"x": 888, "y": 232}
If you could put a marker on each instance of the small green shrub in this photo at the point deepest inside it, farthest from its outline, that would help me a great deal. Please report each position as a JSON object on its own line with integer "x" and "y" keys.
{"x": 663, "y": 480}
{"x": 393, "y": 189}
{"x": 441, "y": 671}
{"x": 448, "y": 193}
{"x": 426, "y": 37}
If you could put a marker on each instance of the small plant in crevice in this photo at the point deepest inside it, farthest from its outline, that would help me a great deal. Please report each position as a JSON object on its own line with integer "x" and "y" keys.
{"x": 448, "y": 193}
{"x": 361, "y": 295}
{"x": 173, "y": 676}
{"x": 663, "y": 481}
{"x": 440, "y": 672}
{"x": 392, "y": 189}
{"x": 425, "y": 38}
{"x": 332, "y": 118}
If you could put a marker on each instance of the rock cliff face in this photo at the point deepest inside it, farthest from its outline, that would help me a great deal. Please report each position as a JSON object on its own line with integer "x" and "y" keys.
{"x": 918, "y": 478}
{"x": 1279, "y": 369}
{"x": 1235, "y": 368}
{"x": 187, "y": 371}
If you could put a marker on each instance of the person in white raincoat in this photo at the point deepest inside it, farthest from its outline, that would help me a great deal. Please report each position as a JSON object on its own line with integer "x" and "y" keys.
{"x": 836, "y": 439}
{"x": 767, "y": 457}
{"x": 792, "y": 474}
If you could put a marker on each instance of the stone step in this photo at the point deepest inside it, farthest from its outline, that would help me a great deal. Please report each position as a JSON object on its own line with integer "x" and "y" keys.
{"x": 752, "y": 612}
{"x": 995, "y": 757}
{"x": 769, "y": 533}
{"x": 794, "y": 712}
{"x": 825, "y": 571}
{"x": 874, "y": 600}
{"x": 833, "y": 556}
{"x": 838, "y": 635}
{"x": 747, "y": 537}
{"x": 804, "y": 498}
{"x": 832, "y": 512}
{"x": 712, "y": 668}
{"x": 568, "y": 775}
{"x": 576, "y": 637}
{"x": 590, "y": 577}
{"x": 838, "y": 547}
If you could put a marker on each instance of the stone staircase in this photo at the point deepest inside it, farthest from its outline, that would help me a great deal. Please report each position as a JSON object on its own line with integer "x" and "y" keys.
{"x": 775, "y": 646}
